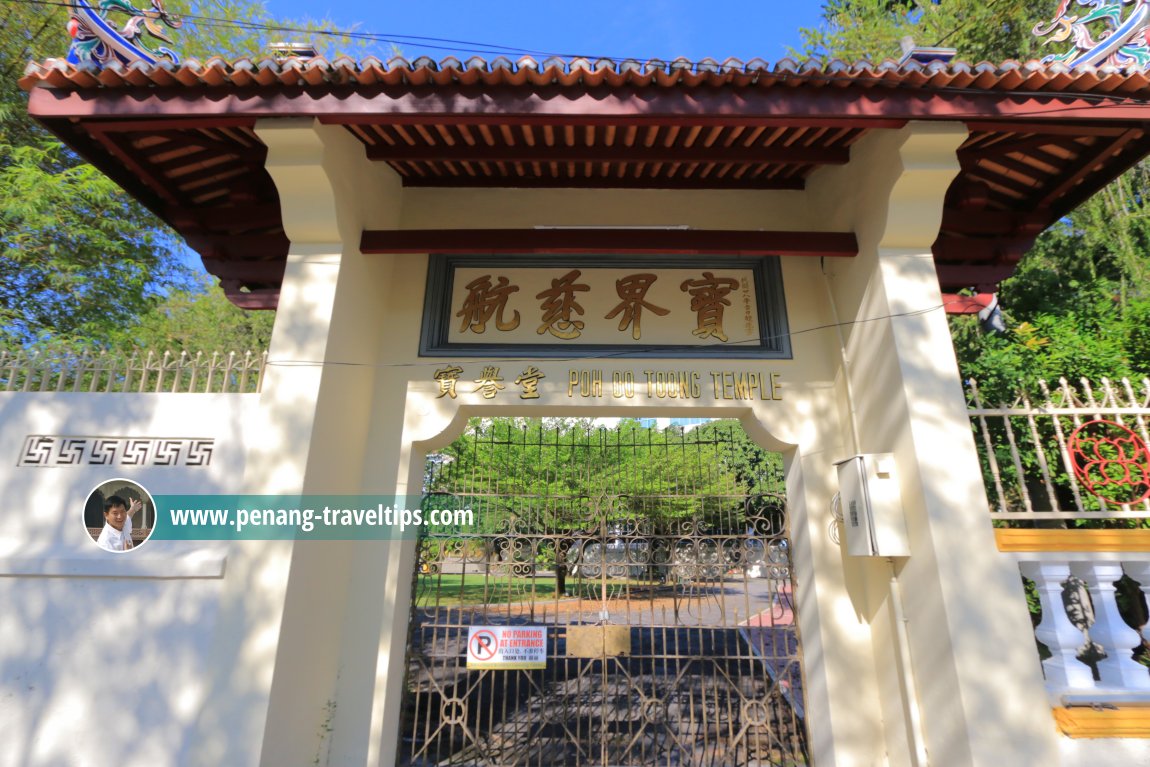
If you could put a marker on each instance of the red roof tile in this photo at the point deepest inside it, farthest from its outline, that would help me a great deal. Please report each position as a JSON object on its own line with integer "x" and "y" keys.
{"x": 1041, "y": 138}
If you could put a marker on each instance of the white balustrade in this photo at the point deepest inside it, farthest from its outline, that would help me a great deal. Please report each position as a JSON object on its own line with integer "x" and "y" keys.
{"x": 1118, "y": 669}
{"x": 1056, "y": 631}
{"x": 1071, "y": 622}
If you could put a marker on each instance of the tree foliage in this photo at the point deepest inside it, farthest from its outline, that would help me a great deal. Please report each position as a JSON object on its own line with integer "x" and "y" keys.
{"x": 854, "y": 30}
{"x": 1079, "y": 304}
{"x": 77, "y": 256}
{"x": 551, "y": 473}
{"x": 197, "y": 319}
{"x": 80, "y": 260}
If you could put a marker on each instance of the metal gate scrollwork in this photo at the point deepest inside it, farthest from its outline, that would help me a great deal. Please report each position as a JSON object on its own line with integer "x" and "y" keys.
{"x": 657, "y": 564}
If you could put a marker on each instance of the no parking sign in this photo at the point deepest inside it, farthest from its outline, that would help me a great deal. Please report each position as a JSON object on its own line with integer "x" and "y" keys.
{"x": 507, "y": 647}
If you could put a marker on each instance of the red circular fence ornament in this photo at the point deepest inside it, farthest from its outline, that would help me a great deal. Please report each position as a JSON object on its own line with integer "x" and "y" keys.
{"x": 1111, "y": 461}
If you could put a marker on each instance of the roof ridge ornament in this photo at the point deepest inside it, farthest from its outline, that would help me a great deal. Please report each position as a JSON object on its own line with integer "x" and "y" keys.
{"x": 96, "y": 43}
{"x": 1119, "y": 42}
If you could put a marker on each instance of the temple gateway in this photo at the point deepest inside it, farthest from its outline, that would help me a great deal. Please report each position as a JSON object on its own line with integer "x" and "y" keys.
{"x": 778, "y": 246}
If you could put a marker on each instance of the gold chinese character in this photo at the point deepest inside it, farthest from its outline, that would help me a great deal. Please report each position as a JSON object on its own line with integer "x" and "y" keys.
{"x": 484, "y": 300}
{"x": 490, "y": 383}
{"x": 558, "y": 304}
{"x": 708, "y": 297}
{"x": 447, "y": 378}
{"x": 633, "y": 289}
{"x": 529, "y": 380}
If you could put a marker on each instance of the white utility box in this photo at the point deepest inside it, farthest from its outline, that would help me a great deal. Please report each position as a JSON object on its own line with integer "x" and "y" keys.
{"x": 872, "y": 507}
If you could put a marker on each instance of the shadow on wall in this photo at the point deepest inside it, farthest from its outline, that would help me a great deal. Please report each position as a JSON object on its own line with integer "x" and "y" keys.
{"x": 109, "y": 670}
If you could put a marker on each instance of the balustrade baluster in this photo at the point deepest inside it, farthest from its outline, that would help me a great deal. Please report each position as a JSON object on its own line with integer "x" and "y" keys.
{"x": 1140, "y": 572}
{"x": 1063, "y": 669}
{"x": 1118, "y": 669}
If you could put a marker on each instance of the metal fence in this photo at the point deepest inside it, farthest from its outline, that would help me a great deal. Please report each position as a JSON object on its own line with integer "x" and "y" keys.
{"x": 1037, "y": 468}
{"x": 137, "y": 372}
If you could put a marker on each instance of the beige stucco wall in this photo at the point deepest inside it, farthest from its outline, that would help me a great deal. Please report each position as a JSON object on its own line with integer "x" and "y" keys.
{"x": 365, "y": 312}
{"x": 299, "y": 656}
{"x": 105, "y": 659}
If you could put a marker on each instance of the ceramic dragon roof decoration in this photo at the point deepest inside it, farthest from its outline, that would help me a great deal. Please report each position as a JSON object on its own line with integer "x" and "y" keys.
{"x": 96, "y": 42}
{"x": 1103, "y": 32}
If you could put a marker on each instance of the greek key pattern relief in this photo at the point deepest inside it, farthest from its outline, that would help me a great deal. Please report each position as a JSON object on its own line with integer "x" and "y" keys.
{"x": 53, "y": 450}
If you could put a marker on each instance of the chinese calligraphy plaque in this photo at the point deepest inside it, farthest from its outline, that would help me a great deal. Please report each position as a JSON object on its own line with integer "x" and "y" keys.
{"x": 683, "y": 306}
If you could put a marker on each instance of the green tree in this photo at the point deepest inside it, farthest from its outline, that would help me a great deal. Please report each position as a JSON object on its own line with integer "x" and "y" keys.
{"x": 853, "y": 30}
{"x": 197, "y": 319}
{"x": 79, "y": 259}
{"x": 549, "y": 472}
{"x": 1079, "y": 303}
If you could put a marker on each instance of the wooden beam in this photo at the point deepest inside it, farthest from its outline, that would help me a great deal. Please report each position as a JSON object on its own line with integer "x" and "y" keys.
{"x": 256, "y": 300}
{"x": 1007, "y": 188}
{"x": 236, "y": 218}
{"x": 264, "y": 272}
{"x": 995, "y": 222}
{"x": 1022, "y": 126}
{"x": 136, "y": 168}
{"x": 539, "y": 153}
{"x": 1019, "y": 146}
{"x": 167, "y": 123}
{"x": 239, "y": 248}
{"x": 1128, "y": 156}
{"x": 229, "y": 168}
{"x": 195, "y": 138}
{"x": 1086, "y": 166}
{"x": 623, "y": 241}
{"x": 603, "y": 182}
{"x": 981, "y": 250}
{"x": 175, "y": 139}
{"x": 957, "y": 276}
{"x": 197, "y": 157}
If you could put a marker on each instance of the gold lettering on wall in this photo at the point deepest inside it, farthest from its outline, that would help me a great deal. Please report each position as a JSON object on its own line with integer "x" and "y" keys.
{"x": 558, "y": 304}
{"x": 589, "y": 383}
{"x": 708, "y": 297}
{"x": 529, "y": 380}
{"x": 745, "y": 386}
{"x": 633, "y": 289}
{"x": 483, "y": 300}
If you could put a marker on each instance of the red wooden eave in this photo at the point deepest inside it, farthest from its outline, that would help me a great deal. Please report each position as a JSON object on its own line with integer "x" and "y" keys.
{"x": 626, "y": 241}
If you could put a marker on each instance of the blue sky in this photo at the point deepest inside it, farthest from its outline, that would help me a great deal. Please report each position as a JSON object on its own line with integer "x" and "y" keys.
{"x": 651, "y": 29}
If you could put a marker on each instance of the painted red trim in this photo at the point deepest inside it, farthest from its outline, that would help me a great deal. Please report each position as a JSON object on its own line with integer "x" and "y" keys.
{"x": 257, "y": 300}
{"x": 602, "y": 182}
{"x": 955, "y": 276}
{"x": 852, "y": 107}
{"x": 615, "y": 153}
{"x": 956, "y": 304}
{"x": 267, "y": 272}
{"x": 629, "y": 241}
{"x": 1023, "y": 126}
{"x": 995, "y": 222}
{"x": 167, "y": 123}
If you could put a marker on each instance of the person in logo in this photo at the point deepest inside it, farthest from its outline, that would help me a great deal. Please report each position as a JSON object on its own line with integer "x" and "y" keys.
{"x": 117, "y": 532}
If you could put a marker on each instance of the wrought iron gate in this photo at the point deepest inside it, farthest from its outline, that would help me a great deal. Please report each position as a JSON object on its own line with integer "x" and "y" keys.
{"x": 659, "y": 566}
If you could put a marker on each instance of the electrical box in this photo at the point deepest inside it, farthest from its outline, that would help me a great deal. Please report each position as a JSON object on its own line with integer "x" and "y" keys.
{"x": 872, "y": 507}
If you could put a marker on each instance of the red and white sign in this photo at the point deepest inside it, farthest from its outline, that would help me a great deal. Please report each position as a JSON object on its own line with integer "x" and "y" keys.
{"x": 507, "y": 647}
